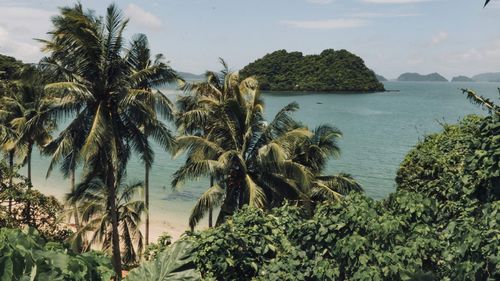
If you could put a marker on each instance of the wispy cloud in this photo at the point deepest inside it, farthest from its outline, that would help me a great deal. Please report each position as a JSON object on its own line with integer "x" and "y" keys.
{"x": 326, "y": 24}
{"x": 395, "y": 1}
{"x": 439, "y": 38}
{"x": 142, "y": 17}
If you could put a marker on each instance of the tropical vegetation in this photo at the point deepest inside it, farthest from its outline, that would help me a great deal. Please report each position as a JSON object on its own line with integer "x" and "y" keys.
{"x": 93, "y": 103}
{"x": 331, "y": 71}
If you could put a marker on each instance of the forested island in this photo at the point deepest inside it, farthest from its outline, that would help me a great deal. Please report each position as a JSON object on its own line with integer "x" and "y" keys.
{"x": 416, "y": 77}
{"x": 333, "y": 71}
{"x": 462, "y": 78}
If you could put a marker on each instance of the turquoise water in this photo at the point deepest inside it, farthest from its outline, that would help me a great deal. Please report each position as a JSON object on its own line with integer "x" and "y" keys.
{"x": 379, "y": 129}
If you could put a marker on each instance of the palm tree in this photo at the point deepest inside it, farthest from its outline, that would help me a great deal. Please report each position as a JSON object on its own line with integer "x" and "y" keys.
{"x": 252, "y": 162}
{"x": 99, "y": 92}
{"x": 29, "y": 126}
{"x": 247, "y": 157}
{"x": 157, "y": 74}
{"x": 91, "y": 199}
{"x": 314, "y": 152}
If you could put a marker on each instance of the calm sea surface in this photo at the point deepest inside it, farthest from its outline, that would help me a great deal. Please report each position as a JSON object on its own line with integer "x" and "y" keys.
{"x": 379, "y": 129}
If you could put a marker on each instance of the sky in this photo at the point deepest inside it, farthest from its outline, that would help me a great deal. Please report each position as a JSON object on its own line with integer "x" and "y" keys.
{"x": 452, "y": 37}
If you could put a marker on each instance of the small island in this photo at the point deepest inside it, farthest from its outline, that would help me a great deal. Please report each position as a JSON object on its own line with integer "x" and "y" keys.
{"x": 462, "y": 78}
{"x": 381, "y": 78}
{"x": 330, "y": 71}
{"x": 416, "y": 77}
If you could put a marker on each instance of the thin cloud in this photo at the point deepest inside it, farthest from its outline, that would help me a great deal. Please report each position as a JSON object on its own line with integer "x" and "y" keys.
{"x": 142, "y": 17}
{"x": 439, "y": 38}
{"x": 326, "y": 24}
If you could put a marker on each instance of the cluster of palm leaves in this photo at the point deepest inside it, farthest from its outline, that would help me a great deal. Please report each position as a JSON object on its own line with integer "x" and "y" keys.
{"x": 251, "y": 161}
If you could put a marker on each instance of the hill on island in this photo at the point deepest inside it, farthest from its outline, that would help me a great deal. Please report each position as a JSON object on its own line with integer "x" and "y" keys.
{"x": 331, "y": 70}
{"x": 380, "y": 78}
{"x": 416, "y": 77}
{"x": 462, "y": 78}
{"x": 487, "y": 77}
{"x": 190, "y": 76}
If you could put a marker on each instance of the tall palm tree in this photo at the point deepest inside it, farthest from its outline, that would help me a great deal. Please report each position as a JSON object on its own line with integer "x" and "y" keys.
{"x": 148, "y": 74}
{"x": 24, "y": 110}
{"x": 91, "y": 199}
{"x": 247, "y": 157}
{"x": 99, "y": 92}
{"x": 29, "y": 125}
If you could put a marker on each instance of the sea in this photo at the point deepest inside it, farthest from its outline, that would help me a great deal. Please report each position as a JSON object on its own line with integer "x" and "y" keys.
{"x": 379, "y": 129}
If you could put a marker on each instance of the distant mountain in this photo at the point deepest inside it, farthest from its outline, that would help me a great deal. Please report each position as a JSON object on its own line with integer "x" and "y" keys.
{"x": 462, "y": 78}
{"x": 487, "y": 77}
{"x": 415, "y": 77}
{"x": 191, "y": 76}
{"x": 330, "y": 71}
{"x": 380, "y": 78}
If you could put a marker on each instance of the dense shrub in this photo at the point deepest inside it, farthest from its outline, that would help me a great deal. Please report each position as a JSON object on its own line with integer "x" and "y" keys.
{"x": 25, "y": 255}
{"x": 441, "y": 224}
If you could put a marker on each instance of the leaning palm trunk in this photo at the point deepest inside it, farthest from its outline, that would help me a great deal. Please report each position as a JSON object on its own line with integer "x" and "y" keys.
{"x": 146, "y": 201}
{"x": 30, "y": 184}
{"x": 11, "y": 175}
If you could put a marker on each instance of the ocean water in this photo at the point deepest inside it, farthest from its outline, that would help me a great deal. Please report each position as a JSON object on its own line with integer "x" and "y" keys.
{"x": 378, "y": 130}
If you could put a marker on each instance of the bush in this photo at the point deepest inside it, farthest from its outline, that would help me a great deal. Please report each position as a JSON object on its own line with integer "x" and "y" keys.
{"x": 25, "y": 255}
{"x": 440, "y": 224}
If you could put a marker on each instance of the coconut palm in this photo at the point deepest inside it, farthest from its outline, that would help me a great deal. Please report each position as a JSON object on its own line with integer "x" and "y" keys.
{"x": 247, "y": 157}
{"x": 24, "y": 111}
{"x": 91, "y": 199}
{"x": 99, "y": 92}
{"x": 314, "y": 152}
{"x": 148, "y": 74}
{"x": 28, "y": 125}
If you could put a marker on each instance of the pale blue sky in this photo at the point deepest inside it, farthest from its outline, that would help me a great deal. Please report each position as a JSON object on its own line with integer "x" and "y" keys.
{"x": 393, "y": 36}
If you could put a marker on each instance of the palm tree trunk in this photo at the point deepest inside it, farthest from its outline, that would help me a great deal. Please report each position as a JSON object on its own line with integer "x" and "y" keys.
{"x": 30, "y": 150}
{"x": 230, "y": 204}
{"x": 113, "y": 212}
{"x": 11, "y": 175}
{"x": 28, "y": 205}
{"x": 146, "y": 201}
{"x": 77, "y": 218}
{"x": 210, "y": 210}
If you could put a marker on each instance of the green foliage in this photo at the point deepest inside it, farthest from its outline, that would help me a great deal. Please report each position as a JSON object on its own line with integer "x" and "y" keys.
{"x": 440, "y": 224}
{"x": 24, "y": 255}
{"x": 173, "y": 264}
{"x": 9, "y": 67}
{"x": 329, "y": 71}
{"x": 152, "y": 250}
